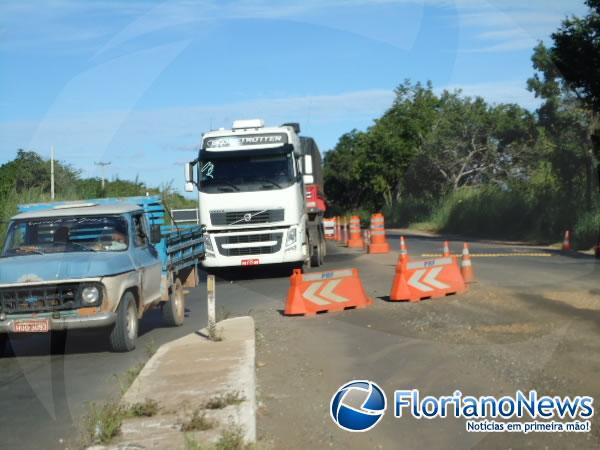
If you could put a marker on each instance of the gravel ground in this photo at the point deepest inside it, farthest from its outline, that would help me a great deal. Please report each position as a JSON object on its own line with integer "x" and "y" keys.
{"x": 488, "y": 341}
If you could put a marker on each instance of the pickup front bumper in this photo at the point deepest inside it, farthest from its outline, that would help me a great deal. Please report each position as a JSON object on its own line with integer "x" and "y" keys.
{"x": 98, "y": 320}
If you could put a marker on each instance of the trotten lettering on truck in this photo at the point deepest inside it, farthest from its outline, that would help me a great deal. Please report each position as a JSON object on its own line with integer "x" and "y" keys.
{"x": 253, "y": 182}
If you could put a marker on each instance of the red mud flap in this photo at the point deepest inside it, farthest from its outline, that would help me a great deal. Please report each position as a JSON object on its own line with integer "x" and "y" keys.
{"x": 317, "y": 292}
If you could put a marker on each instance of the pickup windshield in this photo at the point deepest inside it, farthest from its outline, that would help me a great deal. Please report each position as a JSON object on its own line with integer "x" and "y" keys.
{"x": 246, "y": 171}
{"x": 66, "y": 234}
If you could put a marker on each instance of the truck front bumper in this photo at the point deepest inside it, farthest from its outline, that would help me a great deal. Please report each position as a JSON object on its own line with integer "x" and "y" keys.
{"x": 99, "y": 320}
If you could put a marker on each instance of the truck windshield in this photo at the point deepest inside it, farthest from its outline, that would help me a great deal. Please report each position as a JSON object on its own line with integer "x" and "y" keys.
{"x": 66, "y": 234}
{"x": 246, "y": 171}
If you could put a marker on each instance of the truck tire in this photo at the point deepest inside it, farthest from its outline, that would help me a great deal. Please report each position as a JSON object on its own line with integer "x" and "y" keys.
{"x": 316, "y": 257}
{"x": 124, "y": 333}
{"x": 173, "y": 311}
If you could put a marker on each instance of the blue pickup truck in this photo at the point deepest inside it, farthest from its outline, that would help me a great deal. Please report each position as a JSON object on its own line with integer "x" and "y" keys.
{"x": 99, "y": 263}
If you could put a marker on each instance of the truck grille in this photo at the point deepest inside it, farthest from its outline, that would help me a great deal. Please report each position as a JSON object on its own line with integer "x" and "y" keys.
{"x": 246, "y": 217}
{"x": 250, "y": 238}
{"x": 35, "y": 299}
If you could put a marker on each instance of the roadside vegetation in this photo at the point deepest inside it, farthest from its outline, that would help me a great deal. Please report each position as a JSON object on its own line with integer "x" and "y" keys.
{"x": 453, "y": 163}
{"x": 26, "y": 179}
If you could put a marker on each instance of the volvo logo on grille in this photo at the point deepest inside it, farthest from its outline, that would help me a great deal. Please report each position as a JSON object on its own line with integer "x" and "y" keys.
{"x": 247, "y": 217}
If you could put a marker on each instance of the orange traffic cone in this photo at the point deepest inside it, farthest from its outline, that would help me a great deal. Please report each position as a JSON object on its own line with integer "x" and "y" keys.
{"x": 566, "y": 246}
{"x": 400, "y": 290}
{"x": 403, "y": 249}
{"x": 466, "y": 267}
{"x": 446, "y": 249}
{"x": 294, "y": 303}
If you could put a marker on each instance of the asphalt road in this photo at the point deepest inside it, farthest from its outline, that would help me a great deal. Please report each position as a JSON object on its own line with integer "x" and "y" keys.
{"x": 43, "y": 396}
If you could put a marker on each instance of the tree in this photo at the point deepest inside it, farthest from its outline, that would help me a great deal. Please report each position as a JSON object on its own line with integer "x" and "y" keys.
{"x": 576, "y": 55}
{"x": 567, "y": 123}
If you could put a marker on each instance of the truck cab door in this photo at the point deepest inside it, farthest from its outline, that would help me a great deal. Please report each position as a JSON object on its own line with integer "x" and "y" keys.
{"x": 146, "y": 260}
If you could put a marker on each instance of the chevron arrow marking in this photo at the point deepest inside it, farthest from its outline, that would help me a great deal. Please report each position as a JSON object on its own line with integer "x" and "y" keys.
{"x": 328, "y": 293}
{"x": 415, "y": 281}
{"x": 430, "y": 278}
{"x": 310, "y": 294}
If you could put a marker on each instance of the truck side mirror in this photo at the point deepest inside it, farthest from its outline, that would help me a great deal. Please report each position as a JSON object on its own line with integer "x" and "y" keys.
{"x": 189, "y": 177}
{"x": 155, "y": 234}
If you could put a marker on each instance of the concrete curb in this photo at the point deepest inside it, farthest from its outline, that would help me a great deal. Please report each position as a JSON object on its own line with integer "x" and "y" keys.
{"x": 182, "y": 376}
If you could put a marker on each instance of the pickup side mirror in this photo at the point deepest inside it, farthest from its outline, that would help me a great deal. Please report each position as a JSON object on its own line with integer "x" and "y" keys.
{"x": 155, "y": 234}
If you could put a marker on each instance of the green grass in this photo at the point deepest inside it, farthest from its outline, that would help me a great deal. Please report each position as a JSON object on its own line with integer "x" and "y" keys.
{"x": 102, "y": 422}
{"x": 147, "y": 408}
{"x": 519, "y": 213}
{"x": 197, "y": 422}
{"x": 224, "y": 400}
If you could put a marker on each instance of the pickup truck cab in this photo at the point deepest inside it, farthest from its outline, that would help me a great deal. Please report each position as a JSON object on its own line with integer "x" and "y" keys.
{"x": 94, "y": 264}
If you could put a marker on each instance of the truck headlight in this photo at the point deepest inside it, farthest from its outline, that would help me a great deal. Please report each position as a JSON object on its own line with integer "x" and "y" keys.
{"x": 90, "y": 295}
{"x": 208, "y": 244}
{"x": 291, "y": 237}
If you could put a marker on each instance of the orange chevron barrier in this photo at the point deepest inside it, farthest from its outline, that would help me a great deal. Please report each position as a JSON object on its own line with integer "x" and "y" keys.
{"x": 355, "y": 240}
{"x": 419, "y": 280}
{"x": 466, "y": 266}
{"x": 316, "y": 292}
{"x": 566, "y": 245}
{"x": 378, "y": 242}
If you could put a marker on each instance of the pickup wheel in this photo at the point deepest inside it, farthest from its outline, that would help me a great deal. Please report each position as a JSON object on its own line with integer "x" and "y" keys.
{"x": 5, "y": 347}
{"x": 173, "y": 311}
{"x": 124, "y": 333}
{"x": 58, "y": 342}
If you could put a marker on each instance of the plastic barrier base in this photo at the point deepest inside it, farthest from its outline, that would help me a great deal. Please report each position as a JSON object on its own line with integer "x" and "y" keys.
{"x": 379, "y": 248}
{"x": 355, "y": 243}
{"x": 318, "y": 292}
{"x": 420, "y": 280}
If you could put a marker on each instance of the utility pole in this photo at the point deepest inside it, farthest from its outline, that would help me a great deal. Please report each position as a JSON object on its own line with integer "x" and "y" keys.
{"x": 52, "y": 172}
{"x": 102, "y": 166}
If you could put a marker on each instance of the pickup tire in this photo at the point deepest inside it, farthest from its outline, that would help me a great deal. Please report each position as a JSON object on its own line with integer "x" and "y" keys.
{"x": 58, "y": 342}
{"x": 173, "y": 311}
{"x": 125, "y": 331}
{"x": 5, "y": 346}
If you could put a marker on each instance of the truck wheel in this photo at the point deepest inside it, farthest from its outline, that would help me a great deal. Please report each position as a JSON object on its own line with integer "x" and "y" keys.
{"x": 125, "y": 330}
{"x": 315, "y": 258}
{"x": 173, "y": 311}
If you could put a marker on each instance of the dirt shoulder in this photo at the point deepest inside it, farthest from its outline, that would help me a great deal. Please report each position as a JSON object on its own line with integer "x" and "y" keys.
{"x": 489, "y": 341}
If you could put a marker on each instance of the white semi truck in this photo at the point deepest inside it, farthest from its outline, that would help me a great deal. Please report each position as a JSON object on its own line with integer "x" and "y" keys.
{"x": 252, "y": 196}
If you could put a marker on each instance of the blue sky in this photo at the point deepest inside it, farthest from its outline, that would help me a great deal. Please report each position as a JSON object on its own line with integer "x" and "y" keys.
{"x": 137, "y": 82}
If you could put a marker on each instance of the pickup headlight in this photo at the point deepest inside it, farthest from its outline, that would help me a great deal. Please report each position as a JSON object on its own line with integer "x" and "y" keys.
{"x": 90, "y": 295}
{"x": 291, "y": 237}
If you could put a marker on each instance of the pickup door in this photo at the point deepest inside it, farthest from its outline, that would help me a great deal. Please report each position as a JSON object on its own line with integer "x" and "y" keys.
{"x": 145, "y": 259}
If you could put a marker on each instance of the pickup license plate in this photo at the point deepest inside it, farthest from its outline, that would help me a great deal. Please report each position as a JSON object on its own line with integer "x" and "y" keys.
{"x": 250, "y": 262}
{"x": 31, "y": 326}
